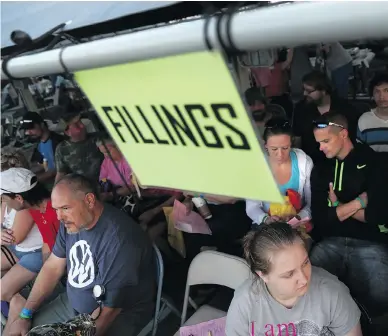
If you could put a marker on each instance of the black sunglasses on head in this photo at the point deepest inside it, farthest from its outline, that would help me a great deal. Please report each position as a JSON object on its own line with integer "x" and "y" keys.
{"x": 282, "y": 124}
{"x": 324, "y": 124}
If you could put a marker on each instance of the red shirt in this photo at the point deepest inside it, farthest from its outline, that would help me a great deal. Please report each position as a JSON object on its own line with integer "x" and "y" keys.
{"x": 48, "y": 224}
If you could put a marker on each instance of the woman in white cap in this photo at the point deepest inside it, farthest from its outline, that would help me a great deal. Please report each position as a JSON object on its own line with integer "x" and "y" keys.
{"x": 21, "y": 241}
{"x": 20, "y": 190}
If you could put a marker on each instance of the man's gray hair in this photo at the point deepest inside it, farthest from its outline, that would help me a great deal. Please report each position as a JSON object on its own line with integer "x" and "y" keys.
{"x": 79, "y": 183}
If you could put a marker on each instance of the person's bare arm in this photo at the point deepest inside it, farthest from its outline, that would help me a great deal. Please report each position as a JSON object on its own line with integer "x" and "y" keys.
{"x": 347, "y": 210}
{"x": 48, "y": 175}
{"x": 48, "y": 277}
{"x": 22, "y": 225}
{"x": 214, "y": 198}
{"x": 286, "y": 64}
{"x": 109, "y": 196}
{"x": 124, "y": 191}
{"x": 105, "y": 319}
{"x": 45, "y": 252}
{"x": 360, "y": 215}
{"x": 356, "y": 331}
{"x": 167, "y": 203}
{"x": 220, "y": 199}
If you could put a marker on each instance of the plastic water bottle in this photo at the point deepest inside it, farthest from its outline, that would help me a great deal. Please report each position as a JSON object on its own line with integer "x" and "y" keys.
{"x": 45, "y": 164}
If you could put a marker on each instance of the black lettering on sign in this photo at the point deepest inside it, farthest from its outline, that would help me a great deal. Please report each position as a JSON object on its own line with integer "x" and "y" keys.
{"x": 192, "y": 107}
{"x": 145, "y": 140}
{"x": 163, "y": 124}
{"x": 115, "y": 125}
{"x": 126, "y": 124}
{"x": 244, "y": 141}
{"x": 180, "y": 127}
{"x": 163, "y": 142}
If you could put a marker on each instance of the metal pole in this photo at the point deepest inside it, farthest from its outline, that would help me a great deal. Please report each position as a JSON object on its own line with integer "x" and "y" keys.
{"x": 283, "y": 25}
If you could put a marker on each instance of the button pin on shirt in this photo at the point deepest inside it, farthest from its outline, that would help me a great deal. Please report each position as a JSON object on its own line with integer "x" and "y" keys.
{"x": 361, "y": 166}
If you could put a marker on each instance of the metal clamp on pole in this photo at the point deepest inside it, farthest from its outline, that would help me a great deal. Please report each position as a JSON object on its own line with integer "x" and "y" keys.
{"x": 228, "y": 46}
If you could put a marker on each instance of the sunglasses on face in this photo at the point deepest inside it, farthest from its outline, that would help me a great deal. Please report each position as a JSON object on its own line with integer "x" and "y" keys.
{"x": 323, "y": 124}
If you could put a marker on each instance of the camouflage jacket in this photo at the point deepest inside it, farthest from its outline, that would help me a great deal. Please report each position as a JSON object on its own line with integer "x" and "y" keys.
{"x": 79, "y": 157}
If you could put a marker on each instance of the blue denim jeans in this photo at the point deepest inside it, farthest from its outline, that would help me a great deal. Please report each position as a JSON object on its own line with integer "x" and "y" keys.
{"x": 340, "y": 79}
{"x": 361, "y": 265}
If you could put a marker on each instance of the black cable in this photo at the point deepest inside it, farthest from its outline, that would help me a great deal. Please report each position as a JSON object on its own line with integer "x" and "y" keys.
{"x": 53, "y": 43}
{"x": 209, "y": 11}
{"x": 25, "y": 43}
{"x": 227, "y": 45}
{"x": 230, "y": 12}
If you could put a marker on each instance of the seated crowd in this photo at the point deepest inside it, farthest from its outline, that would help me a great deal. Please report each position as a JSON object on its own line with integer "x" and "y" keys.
{"x": 96, "y": 227}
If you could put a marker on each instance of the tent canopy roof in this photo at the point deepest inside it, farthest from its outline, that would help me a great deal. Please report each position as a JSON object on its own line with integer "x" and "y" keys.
{"x": 89, "y": 18}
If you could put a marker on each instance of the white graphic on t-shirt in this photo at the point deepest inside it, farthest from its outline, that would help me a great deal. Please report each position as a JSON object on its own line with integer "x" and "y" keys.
{"x": 307, "y": 328}
{"x": 81, "y": 273}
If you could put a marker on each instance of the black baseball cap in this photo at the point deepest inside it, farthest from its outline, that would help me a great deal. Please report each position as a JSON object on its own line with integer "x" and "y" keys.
{"x": 30, "y": 119}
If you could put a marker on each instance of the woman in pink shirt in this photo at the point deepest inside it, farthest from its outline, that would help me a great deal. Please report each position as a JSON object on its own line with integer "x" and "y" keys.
{"x": 275, "y": 82}
{"x": 109, "y": 172}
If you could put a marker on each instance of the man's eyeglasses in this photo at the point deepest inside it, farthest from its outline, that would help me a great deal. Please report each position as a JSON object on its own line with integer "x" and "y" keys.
{"x": 309, "y": 91}
{"x": 323, "y": 124}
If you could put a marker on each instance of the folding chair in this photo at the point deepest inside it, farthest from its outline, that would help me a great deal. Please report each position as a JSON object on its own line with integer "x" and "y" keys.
{"x": 163, "y": 306}
{"x": 216, "y": 268}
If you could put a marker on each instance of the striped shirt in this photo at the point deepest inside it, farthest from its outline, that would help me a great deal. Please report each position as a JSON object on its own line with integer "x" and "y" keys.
{"x": 373, "y": 131}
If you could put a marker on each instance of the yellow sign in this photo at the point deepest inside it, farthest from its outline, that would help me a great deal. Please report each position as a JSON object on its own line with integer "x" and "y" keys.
{"x": 181, "y": 124}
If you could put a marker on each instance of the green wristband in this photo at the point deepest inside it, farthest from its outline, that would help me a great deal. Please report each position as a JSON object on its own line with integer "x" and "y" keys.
{"x": 25, "y": 317}
{"x": 335, "y": 204}
{"x": 26, "y": 314}
{"x": 363, "y": 205}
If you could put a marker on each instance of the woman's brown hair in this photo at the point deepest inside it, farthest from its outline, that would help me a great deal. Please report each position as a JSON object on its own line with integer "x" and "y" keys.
{"x": 259, "y": 244}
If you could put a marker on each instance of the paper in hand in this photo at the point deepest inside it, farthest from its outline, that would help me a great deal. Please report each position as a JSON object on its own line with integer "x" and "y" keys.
{"x": 294, "y": 222}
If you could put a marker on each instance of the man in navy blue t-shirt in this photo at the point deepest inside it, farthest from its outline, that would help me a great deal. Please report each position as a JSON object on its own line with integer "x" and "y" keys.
{"x": 100, "y": 246}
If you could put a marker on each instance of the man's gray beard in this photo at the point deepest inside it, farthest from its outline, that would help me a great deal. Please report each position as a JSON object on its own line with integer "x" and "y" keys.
{"x": 82, "y": 228}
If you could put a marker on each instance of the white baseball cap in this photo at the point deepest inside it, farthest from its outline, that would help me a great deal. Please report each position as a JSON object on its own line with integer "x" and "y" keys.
{"x": 17, "y": 180}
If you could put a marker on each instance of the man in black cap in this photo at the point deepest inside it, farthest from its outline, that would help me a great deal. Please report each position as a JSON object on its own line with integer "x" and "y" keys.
{"x": 36, "y": 129}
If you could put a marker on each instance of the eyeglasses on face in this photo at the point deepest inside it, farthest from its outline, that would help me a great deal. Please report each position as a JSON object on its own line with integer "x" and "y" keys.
{"x": 309, "y": 91}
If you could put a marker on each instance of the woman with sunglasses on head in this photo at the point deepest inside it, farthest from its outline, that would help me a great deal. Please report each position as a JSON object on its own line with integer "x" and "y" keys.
{"x": 286, "y": 295}
{"x": 291, "y": 168}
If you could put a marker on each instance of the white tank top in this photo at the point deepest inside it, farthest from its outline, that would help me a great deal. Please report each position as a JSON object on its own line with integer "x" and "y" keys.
{"x": 32, "y": 242}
